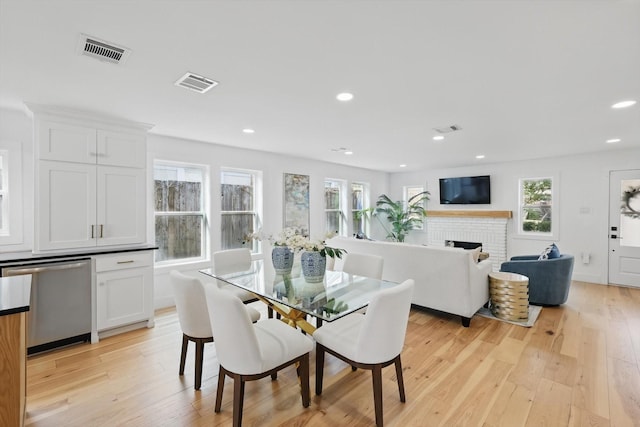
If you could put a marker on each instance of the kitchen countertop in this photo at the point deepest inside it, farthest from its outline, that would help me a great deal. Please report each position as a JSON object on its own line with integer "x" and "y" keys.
{"x": 30, "y": 257}
{"x": 15, "y": 293}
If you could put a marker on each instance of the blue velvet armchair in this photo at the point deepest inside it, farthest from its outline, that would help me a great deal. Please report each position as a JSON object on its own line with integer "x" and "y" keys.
{"x": 549, "y": 279}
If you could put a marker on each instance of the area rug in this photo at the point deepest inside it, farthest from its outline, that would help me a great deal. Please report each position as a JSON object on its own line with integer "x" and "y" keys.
{"x": 534, "y": 312}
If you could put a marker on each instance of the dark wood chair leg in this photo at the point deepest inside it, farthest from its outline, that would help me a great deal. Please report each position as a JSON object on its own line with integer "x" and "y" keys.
{"x": 274, "y": 376}
{"x": 238, "y": 399}
{"x": 319, "y": 368}
{"x": 400, "y": 379}
{"x": 269, "y": 312}
{"x": 303, "y": 372}
{"x": 221, "y": 374}
{"x": 183, "y": 355}
{"x": 377, "y": 393}
{"x": 199, "y": 363}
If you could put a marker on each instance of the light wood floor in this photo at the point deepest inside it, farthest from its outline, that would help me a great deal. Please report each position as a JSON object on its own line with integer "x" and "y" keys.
{"x": 578, "y": 366}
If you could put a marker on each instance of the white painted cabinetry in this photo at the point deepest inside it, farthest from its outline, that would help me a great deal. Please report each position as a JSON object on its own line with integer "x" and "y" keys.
{"x": 90, "y": 179}
{"x": 124, "y": 289}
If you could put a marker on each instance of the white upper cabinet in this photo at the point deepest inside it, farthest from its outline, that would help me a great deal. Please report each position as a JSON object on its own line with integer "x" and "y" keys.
{"x": 65, "y": 142}
{"x": 121, "y": 149}
{"x": 90, "y": 180}
{"x": 73, "y": 143}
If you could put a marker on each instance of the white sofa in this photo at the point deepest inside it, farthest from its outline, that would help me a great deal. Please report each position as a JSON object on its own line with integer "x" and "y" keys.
{"x": 447, "y": 279}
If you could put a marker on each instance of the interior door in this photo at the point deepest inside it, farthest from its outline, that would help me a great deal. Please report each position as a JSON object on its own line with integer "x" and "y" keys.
{"x": 624, "y": 227}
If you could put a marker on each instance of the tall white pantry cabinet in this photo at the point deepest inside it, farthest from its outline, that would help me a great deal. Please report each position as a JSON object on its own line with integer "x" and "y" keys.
{"x": 90, "y": 193}
{"x": 90, "y": 181}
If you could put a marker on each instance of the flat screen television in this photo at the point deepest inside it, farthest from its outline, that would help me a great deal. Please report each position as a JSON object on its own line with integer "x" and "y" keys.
{"x": 467, "y": 190}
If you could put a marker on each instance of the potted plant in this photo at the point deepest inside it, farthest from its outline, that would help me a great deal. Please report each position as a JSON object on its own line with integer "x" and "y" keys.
{"x": 403, "y": 217}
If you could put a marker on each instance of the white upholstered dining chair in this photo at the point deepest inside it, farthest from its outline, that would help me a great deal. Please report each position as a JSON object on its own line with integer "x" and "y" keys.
{"x": 249, "y": 351}
{"x": 193, "y": 316}
{"x": 363, "y": 265}
{"x": 369, "y": 341}
{"x": 232, "y": 261}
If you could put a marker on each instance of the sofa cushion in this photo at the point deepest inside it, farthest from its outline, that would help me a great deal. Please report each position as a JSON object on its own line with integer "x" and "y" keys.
{"x": 550, "y": 252}
{"x": 475, "y": 253}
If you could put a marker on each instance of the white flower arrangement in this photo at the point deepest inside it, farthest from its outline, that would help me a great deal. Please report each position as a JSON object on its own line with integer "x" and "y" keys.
{"x": 297, "y": 242}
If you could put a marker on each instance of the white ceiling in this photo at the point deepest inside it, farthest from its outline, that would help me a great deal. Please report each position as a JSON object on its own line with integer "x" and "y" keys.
{"x": 524, "y": 79}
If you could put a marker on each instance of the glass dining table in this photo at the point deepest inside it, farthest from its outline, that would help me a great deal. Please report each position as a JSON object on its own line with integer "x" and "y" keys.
{"x": 291, "y": 296}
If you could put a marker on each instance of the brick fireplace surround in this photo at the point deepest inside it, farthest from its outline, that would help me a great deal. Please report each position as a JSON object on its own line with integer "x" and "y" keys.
{"x": 486, "y": 227}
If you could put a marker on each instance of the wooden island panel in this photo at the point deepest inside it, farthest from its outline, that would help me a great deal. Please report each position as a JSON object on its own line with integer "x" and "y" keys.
{"x": 12, "y": 365}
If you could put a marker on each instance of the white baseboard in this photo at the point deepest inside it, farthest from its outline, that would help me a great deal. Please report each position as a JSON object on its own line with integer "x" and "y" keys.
{"x": 163, "y": 302}
{"x": 591, "y": 278}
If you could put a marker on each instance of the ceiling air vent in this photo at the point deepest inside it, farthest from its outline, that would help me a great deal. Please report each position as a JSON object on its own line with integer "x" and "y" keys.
{"x": 447, "y": 129}
{"x": 196, "y": 83}
{"x": 102, "y": 50}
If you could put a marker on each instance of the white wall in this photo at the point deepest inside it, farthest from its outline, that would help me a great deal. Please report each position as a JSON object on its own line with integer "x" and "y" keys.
{"x": 582, "y": 202}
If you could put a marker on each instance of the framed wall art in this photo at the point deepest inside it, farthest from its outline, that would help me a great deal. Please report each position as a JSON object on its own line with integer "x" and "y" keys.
{"x": 296, "y": 202}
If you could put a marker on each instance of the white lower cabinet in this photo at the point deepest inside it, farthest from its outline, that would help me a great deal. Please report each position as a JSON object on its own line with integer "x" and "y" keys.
{"x": 124, "y": 289}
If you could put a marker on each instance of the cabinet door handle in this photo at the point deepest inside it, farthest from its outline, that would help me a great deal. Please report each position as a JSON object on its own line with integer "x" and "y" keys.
{"x": 101, "y": 231}
{"x": 125, "y": 262}
{"x": 93, "y": 234}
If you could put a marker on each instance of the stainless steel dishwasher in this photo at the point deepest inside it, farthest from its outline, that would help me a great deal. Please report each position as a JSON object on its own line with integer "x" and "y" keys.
{"x": 60, "y": 312}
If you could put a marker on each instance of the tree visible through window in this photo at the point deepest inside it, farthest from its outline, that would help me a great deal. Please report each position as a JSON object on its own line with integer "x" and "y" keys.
{"x": 536, "y": 204}
{"x": 179, "y": 211}
{"x": 359, "y": 204}
{"x": 409, "y": 192}
{"x": 334, "y": 217}
{"x": 238, "y": 210}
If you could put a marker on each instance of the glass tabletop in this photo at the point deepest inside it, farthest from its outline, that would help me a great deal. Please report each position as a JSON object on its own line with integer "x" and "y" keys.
{"x": 337, "y": 295}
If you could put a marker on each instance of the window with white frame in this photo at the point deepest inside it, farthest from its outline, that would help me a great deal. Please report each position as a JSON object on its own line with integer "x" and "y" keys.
{"x": 536, "y": 206}
{"x": 180, "y": 220}
{"x": 4, "y": 193}
{"x": 239, "y": 209}
{"x": 409, "y": 192}
{"x": 359, "y": 204}
{"x": 11, "y": 194}
{"x": 334, "y": 215}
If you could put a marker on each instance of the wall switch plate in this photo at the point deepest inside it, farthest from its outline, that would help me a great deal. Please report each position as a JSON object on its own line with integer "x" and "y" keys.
{"x": 586, "y": 257}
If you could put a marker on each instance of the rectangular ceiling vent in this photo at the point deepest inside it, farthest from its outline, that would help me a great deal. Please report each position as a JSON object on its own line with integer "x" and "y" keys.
{"x": 102, "y": 50}
{"x": 447, "y": 129}
{"x": 195, "y": 83}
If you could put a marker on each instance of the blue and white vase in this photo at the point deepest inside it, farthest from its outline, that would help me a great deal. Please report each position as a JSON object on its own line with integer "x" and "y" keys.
{"x": 313, "y": 266}
{"x": 282, "y": 258}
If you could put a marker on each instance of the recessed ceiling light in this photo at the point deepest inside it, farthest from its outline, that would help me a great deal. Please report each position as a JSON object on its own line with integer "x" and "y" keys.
{"x": 344, "y": 96}
{"x": 403, "y": 165}
{"x": 480, "y": 156}
{"x": 438, "y": 138}
{"x": 613, "y": 140}
{"x": 348, "y": 152}
{"x": 247, "y": 130}
{"x": 623, "y": 104}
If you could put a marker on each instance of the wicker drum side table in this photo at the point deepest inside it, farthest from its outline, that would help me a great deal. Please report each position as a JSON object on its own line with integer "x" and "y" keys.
{"x": 509, "y": 295}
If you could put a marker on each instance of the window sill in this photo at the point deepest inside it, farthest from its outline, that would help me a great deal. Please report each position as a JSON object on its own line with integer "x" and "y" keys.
{"x": 550, "y": 236}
